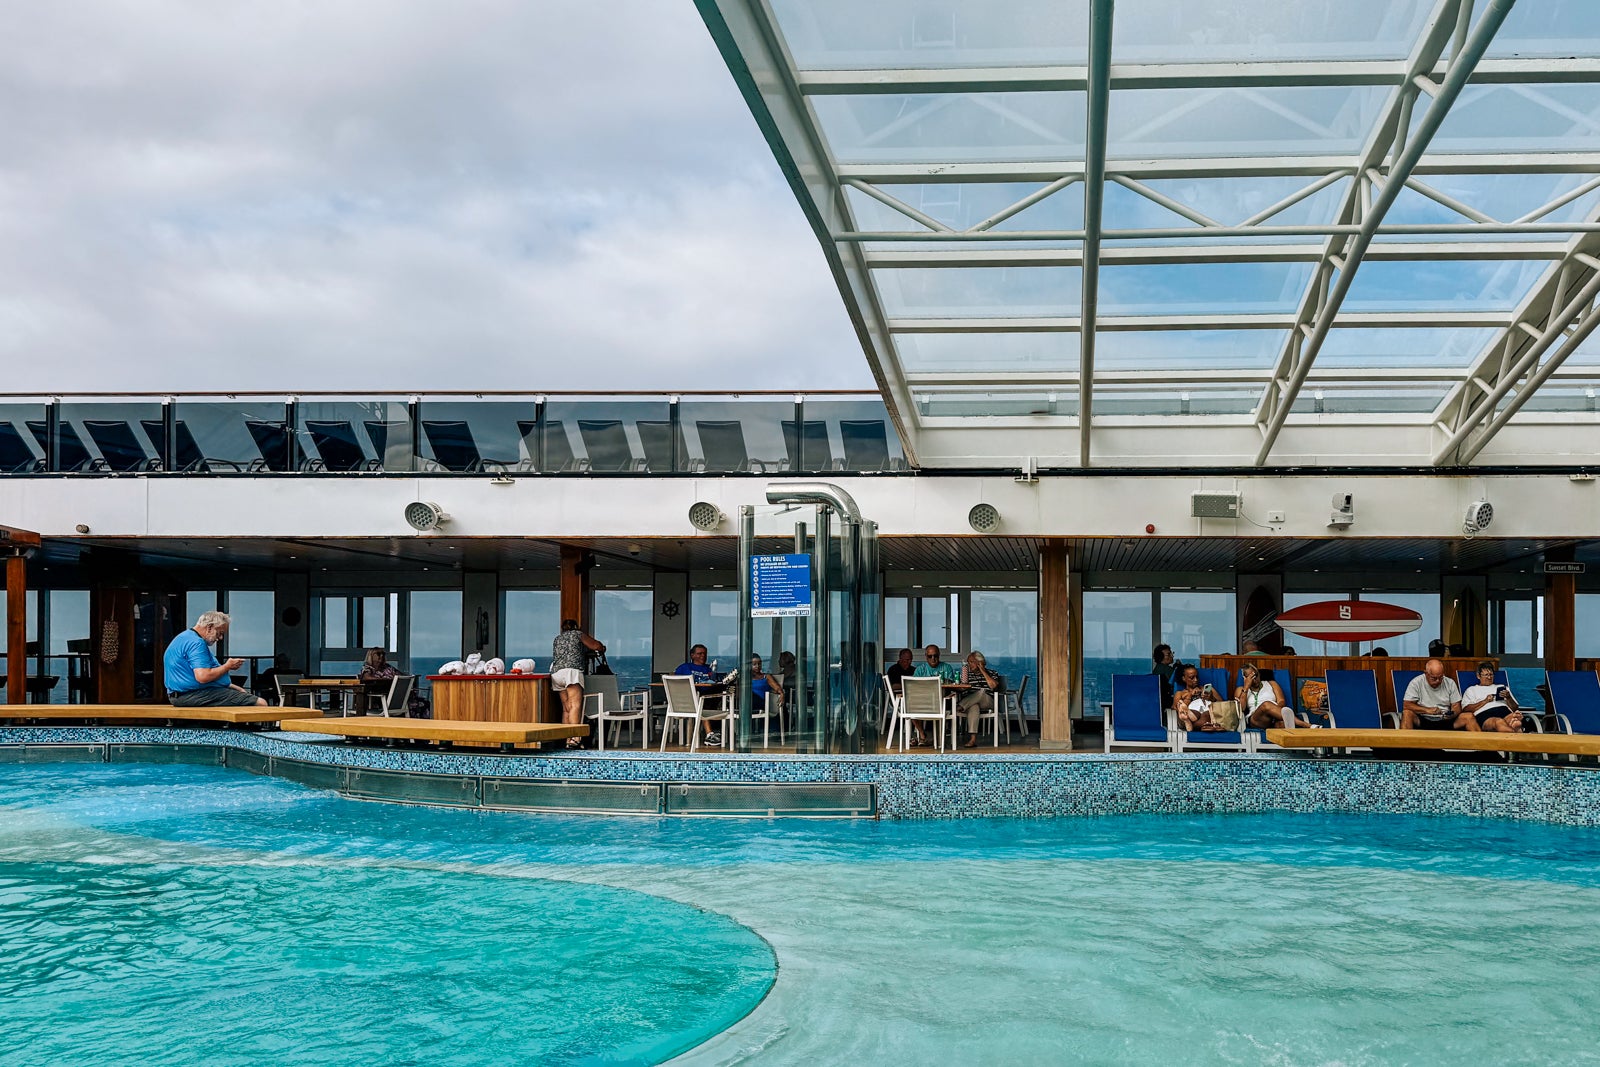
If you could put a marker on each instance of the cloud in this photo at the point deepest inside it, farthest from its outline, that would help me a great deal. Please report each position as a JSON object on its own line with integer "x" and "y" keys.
{"x": 417, "y": 196}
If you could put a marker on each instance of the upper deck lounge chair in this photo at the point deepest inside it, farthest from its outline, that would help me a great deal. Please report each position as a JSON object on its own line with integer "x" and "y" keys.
{"x": 809, "y": 446}
{"x": 606, "y": 441}
{"x": 120, "y": 449}
{"x": 866, "y": 445}
{"x": 189, "y": 457}
{"x": 71, "y": 455}
{"x": 664, "y": 451}
{"x": 454, "y": 447}
{"x": 1136, "y": 718}
{"x": 550, "y": 449}
{"x": 338, "y": 449}
{"x": 272, "y": 441}
{"x": 16, "y": 455}
{"x": 722, "y": 445}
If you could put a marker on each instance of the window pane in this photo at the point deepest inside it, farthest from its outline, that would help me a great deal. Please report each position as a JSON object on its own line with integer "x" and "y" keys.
{"x": 435, "y": 630}
{"x": 374, "y": 621}
{"x": 68, "y": 645}
{"x": 335, "y": 622}
{"x": 1005, "y": 627}
{"x": 250, "y": 631}
{"x": 196, "y": 602}
{"x": 714, "y": 622}
{"x": 1116, "y": 640}
{"x": 1197, "y": 624}
{"x": 896, "y": 634}
{"x": 529, "y": 622}
{"x": 935, "y": 612}
{"x": 1517, "y": 637}
{"x": 622, "y": 619}
{"x": 1587, "y": 625}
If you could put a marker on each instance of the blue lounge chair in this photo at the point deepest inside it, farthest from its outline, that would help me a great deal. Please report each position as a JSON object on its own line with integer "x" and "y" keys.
{"x": 71, "y": 455}
{"x": 606, "y": 441}
{"x": 808, "y": 445}
{"x": 664, "y": 451}
{"x": 1136, "y": 718}
{"x": 337, "y": 446}
{"x": 1467, "y": 679}
{"x": 272, "y": 441}
{"x": 1353, "y": 701}
{"x": 1398, "y": 680}
{"x": 189, "y": 457}
{"x": 120, "y": 449}
{"x": 1217, "y": 678}
{"x": 1575, "y": 699}
{"x": 453, "y": 445}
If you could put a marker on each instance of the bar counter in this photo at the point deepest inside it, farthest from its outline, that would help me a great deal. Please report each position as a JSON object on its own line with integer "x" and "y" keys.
{"x": 494, "y": 698}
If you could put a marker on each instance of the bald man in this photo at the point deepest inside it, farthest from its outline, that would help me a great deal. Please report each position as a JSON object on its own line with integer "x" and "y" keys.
{"x": 1433, "y": 702}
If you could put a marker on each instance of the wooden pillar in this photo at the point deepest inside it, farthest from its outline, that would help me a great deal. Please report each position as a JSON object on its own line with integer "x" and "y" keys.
{"x": 16, "y": 628}
{"x": 1560, "y": 618}
{"x": 1057, "y": 628}
{"x": 576, "y": 563}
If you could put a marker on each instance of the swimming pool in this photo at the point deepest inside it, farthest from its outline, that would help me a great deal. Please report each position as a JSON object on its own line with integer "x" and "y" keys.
{"x": 201, "y": 915}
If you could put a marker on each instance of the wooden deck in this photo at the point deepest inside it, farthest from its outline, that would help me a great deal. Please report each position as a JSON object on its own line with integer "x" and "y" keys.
{"x": 456, "y": 731}
{"x": 153, "y": 712}
{"x": 1440, "y": 740}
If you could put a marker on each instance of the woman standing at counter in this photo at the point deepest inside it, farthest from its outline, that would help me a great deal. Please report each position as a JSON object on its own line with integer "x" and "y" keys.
{"x": 569, "y": 657}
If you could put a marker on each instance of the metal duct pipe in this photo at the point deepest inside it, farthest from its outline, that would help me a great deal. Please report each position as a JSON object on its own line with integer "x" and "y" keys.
{"x": 815, "y": 493}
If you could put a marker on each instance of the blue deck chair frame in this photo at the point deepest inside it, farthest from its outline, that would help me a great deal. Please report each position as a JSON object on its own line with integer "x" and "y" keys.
{"x": 1575, "y": 699}
{"x": 1398, "y": 680}
{"x": 16, "y": 455}
{"x": 1136, "y": 718}
{"x": 120, "y": 448}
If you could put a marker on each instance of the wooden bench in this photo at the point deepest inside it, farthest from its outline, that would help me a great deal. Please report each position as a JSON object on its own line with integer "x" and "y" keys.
{"x": 458, "y": 731}
{"x": 238, "y": 716}
{"x": 1440, "y": 740}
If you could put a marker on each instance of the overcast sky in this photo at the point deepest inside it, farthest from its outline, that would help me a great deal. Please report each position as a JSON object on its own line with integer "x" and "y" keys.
{"x": 504, "y": 194}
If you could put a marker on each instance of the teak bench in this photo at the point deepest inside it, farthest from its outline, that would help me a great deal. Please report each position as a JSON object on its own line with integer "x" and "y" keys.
{"x": 505, "y": 734}
{"x": 163, "y": 712}
{"x": 1440, "y": 740}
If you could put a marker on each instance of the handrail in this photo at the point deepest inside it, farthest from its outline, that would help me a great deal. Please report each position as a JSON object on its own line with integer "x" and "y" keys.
{"x": 357, "y": 394}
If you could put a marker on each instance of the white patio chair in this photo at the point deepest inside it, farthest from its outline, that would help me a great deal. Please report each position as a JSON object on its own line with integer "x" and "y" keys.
{"x": 603, "y": 704}
{"x": 888, "y": 715}
{"x": 765, "y": 712}
{"x": 397, "y": 701}
{"x": 1014, "y": 709}
{"x": 922, "y": 700}
{"x": 995, "y": 715}
{"x": 690, "y": 709}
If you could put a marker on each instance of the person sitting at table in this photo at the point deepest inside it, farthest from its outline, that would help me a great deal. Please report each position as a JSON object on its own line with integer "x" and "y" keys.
{"x": 899, "y": 669}
{"x": 569, "y": 658}
{"x": 1261, "y": 702}
{"x": 194, "y": 678}
{"x": 1166, "y": 669}
{"x": 267, "y": 680}
{"x": 705, "y": 681}
{"x": 1432, "y": 702}
{"x": 1491, "y": 704}
{"x": 377, "y": 668}
{"x": 762, "y": 685}
{"x": 982, "y": 684}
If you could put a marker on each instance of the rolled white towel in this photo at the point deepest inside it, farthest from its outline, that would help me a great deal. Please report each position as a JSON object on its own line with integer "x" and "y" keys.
{"x": 524, "y": 666}
{"x": 473, "y": 664}
{"x": 455, "y": 666}
{"x": 494, "y": 666}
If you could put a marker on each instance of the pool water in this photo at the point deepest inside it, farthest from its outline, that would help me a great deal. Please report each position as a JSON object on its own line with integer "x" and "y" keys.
{"x": 199, "y": 915}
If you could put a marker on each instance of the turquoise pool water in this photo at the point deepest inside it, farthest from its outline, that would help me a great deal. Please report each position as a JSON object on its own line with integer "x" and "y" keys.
{"x": 199, "y": 915}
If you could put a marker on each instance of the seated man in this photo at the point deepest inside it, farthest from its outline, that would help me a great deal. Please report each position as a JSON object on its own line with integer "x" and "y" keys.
{"x": 194, "y": 678}
{"x": 1432, "y": 702}
{"x": 931, "y": 667}
{"x": 979, "y": 698}
{"x": 899, "y": 669}
{"x": 1492, "y": 705}
{"x": 706, "y": 681}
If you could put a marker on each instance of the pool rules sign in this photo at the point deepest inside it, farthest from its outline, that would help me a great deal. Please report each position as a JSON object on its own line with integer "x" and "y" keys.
{"x": 780, "y": 586}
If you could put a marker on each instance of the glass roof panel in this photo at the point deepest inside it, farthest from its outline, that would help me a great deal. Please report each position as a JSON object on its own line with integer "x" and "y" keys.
{"x": 1422, "y": 347}
{"x": 1173, "y": 398}
{"x": 1422, "y": 285}
{"x": 1174, "y": 352}
{"x": 1565, "y": 396}
{"x": 1542, "y": 117}
{"x": 1550, "y": 28}
{"x": 1504, "y": 197}
{"x": 909, "y": 34}
{"x": 968, "y": 403}
{"x": 1202, "y": 288}
{"x": 1343, "y": 398}
{"x": 953, "y": 127}
{"x": 965, "y": 204}
{"x": 1230, "y": 201}
{"x": 933, "y": 353}
{"x": 1162, "y": 31}
{"x": 980, "y": 292}
{"x": 1223, "y": 121}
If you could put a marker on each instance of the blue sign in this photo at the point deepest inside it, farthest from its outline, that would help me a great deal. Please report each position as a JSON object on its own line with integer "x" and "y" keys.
{"x": 780, "y": 586}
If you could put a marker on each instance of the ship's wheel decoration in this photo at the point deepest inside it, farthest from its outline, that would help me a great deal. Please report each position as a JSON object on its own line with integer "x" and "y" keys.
{"x": 669, "y": 608}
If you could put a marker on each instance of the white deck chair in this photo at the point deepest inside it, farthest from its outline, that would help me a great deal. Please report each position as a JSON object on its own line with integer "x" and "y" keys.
{"x": 603, "y": 704}
{"x": 922, "y": 700}
{"x": 689, "y": 708}
{"x": 888, "y": 717}
{"x": 765, "y": 712}
{"x": 397, "y": 701}
{"x": 1014, "y": 709}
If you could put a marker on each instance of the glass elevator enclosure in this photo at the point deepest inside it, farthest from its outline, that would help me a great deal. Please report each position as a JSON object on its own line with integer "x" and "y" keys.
{"x": 809, "y": 585}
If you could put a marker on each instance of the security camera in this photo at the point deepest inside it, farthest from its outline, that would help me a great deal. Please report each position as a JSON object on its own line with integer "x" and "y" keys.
{"x": 1344, "y": 510}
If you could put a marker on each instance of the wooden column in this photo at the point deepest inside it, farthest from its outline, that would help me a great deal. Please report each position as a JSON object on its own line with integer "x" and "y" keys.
{"x": 16, "y": 628}
{"x": 1560, "y": 607}
{"x": 575, "y": 599}
{"x": 1056, "y": 661}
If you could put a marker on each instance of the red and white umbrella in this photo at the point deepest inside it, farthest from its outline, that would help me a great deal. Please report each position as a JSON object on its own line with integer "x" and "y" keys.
{"x": 1349, "y": 620}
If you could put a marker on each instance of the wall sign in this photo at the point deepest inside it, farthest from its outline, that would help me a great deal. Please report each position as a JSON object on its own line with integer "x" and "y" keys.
{"x": 780, "y": 586}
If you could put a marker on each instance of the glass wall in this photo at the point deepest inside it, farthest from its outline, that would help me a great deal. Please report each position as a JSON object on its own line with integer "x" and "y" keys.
{"x": 231, "y": 437}
{"x": 529, "y": 622}
{"x": 433, "y": 636}
{"x": 611, "y": 435}
{"x": 1198, "y": 624}
{"x": 21, "y": 438}
{"x": 1586, "y": 625}
{"x": 1116, "y": 640}
{"x": 355, "y": 435}
{"x": 714, "y": 622}
{"x": 725, "y": 437}
{"x": 465, "y": 435}
{"x": 68, "y": 643}
{"x": 1004, "y": 625}
{"x": 622, "y": 622}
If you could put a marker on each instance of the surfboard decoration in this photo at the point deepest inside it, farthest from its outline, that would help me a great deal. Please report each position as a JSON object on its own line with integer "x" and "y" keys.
{"x": 1349, "y": 620}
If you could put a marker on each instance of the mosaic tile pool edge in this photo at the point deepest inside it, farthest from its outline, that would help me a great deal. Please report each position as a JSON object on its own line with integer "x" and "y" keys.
{"x": 931, "y": 787}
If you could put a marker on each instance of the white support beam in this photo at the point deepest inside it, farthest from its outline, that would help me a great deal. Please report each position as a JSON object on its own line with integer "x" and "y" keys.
{"x": 1130, "y": 255}
{"x": 1284, "y": 321}
{"x": 1321, "y": 308}
{"x": 1101, "y": 19}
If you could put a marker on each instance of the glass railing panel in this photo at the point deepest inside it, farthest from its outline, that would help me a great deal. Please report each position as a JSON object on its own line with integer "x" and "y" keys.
{"x": 121, "y": 438}
{"x": 355, "y": 435}
{"x": 475, "y": 435}
{"x": 726, "y": 436}
{"x": 612, "y": 435}
{"x": 860, "y": 436}
{"x": 230, "y": 437}
{"x": 21, "y": 452}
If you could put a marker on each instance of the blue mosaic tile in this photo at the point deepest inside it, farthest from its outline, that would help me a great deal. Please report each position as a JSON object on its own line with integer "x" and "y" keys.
{"x": 957, "y": 786}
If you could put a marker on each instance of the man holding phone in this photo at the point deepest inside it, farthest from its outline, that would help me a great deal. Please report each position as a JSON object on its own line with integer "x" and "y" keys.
{"x": 194, "y": 678}
{"x": 1492, "y": 705}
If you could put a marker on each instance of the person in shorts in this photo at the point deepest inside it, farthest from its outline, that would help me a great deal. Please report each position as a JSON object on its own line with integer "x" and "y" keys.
{"x": 1432, "y": 702}
{"x": 194, "y": 678}
{"x": 569, "y": 657}
{"x": 1492, "y": 705}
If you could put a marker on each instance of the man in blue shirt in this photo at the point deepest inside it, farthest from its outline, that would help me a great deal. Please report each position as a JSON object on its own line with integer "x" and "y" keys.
{"x": 194, "y": 678}
{"x": 705, "y": 680}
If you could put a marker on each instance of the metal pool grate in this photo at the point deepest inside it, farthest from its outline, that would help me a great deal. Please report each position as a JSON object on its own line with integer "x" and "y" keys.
{"x": 790, "y": 799}
{"x": 455, "y": 790}
{"x": 617, "y": 798}
{"x": 209, "y": 755}
{"x": 52, "y": 753}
